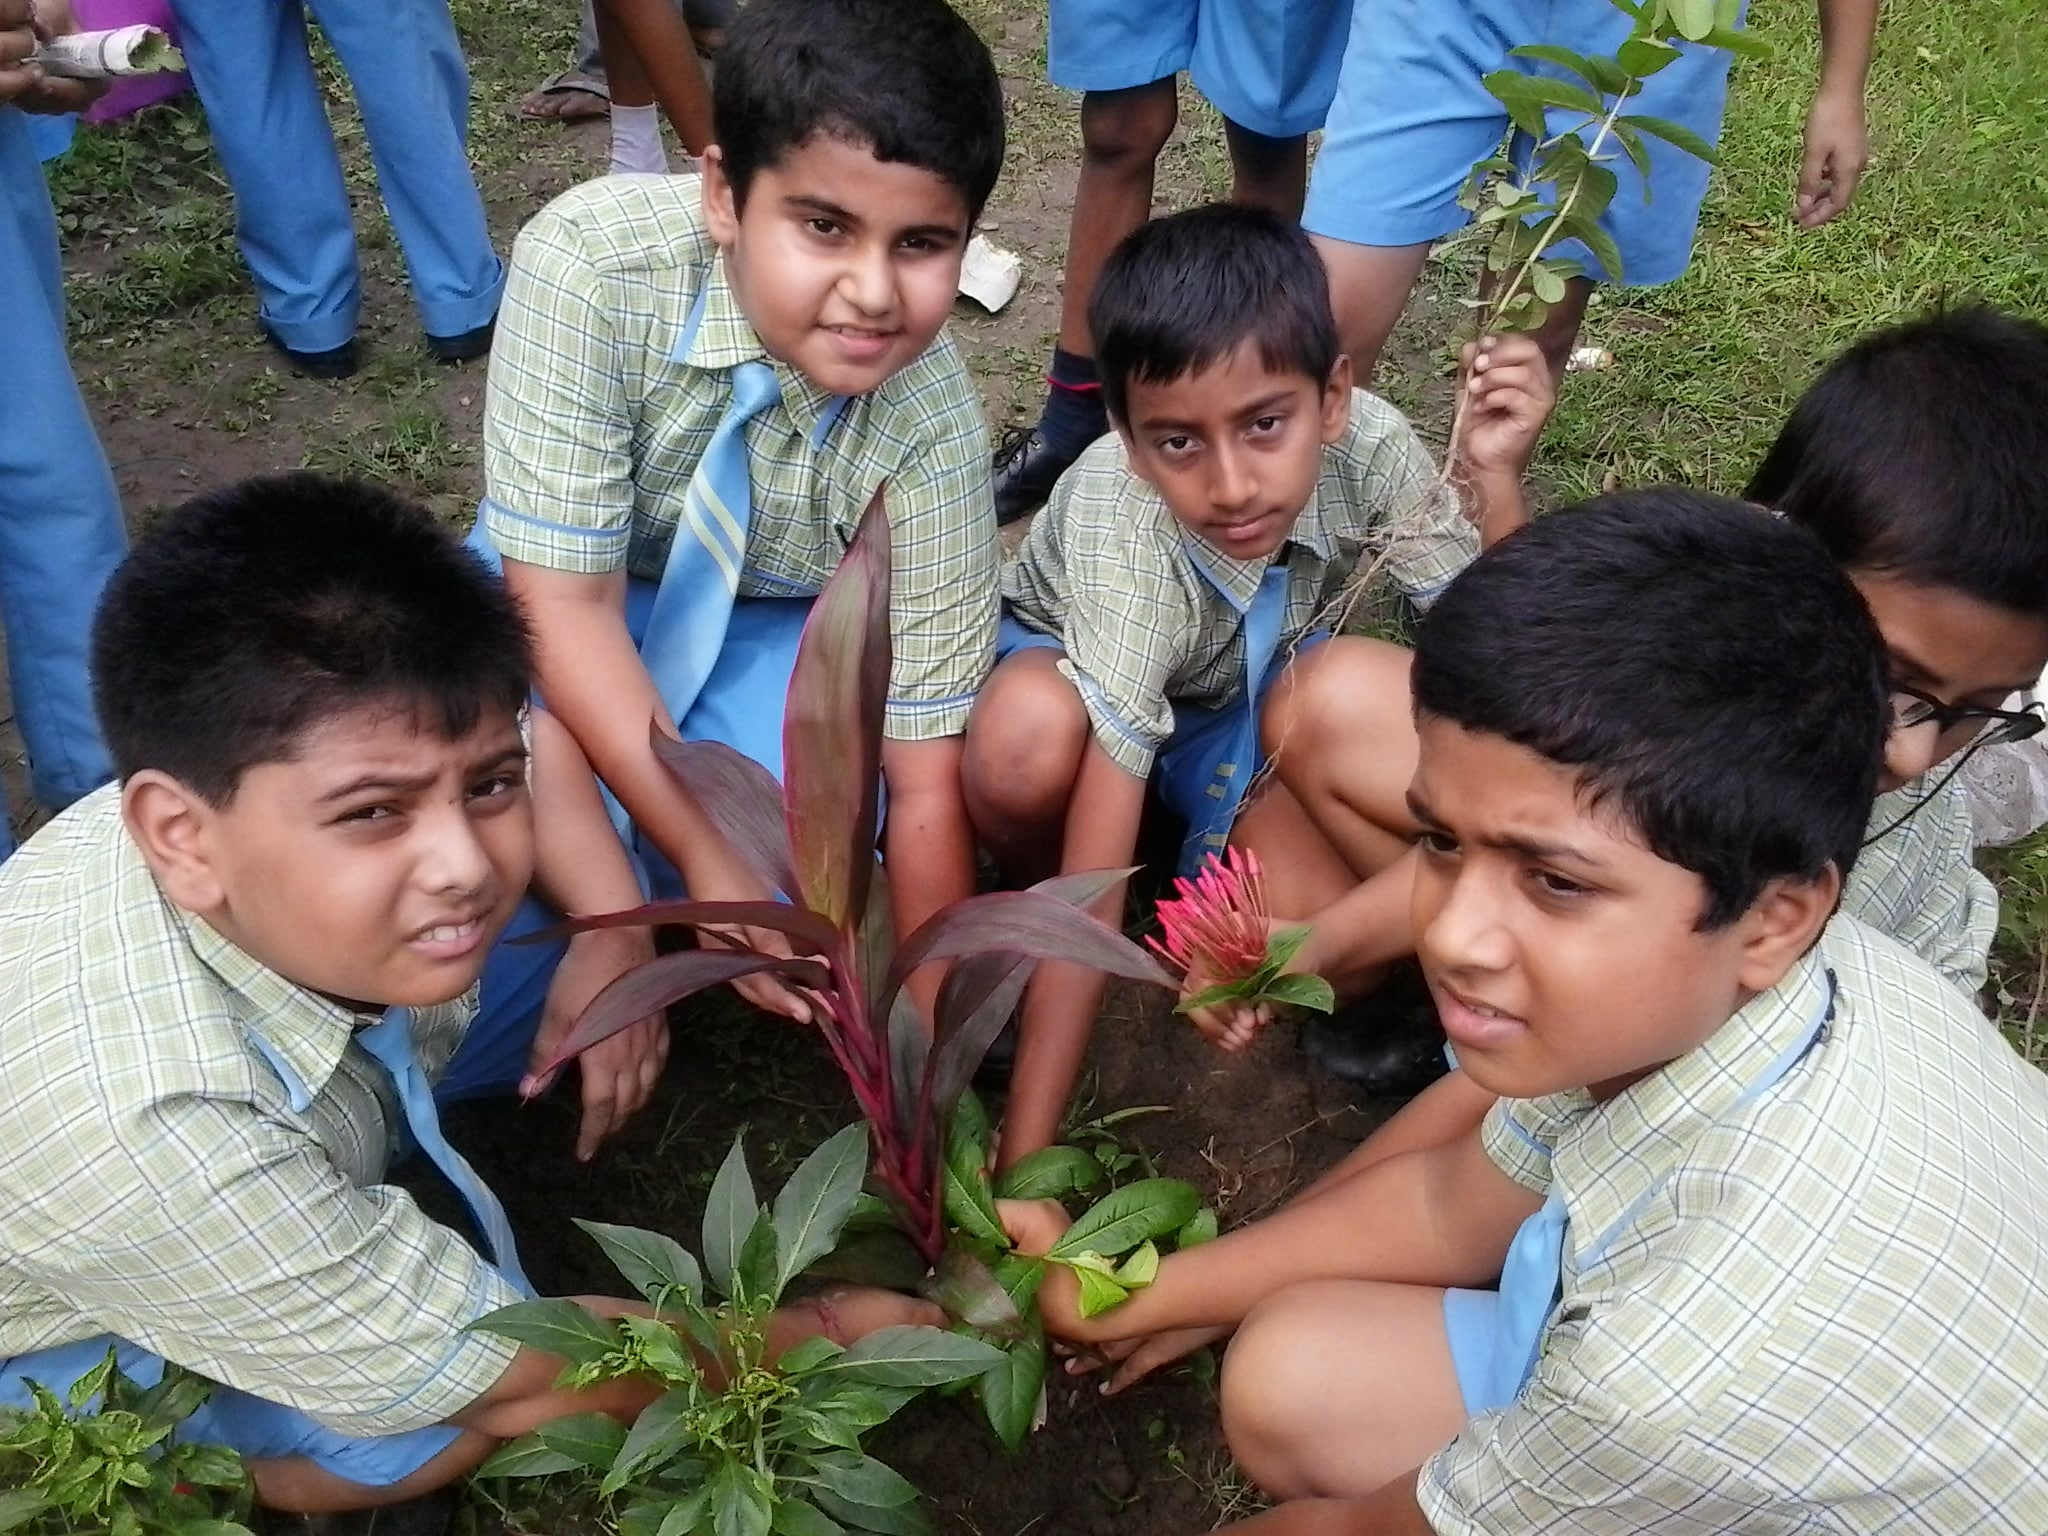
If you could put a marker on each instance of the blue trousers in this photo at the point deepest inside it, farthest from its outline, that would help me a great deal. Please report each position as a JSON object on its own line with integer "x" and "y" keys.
{"x": 60, "y": 518}
{"x": 253, "y": 73}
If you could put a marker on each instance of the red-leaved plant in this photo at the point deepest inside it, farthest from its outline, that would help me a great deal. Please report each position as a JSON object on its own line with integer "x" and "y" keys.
{"x": 813, "y": 838}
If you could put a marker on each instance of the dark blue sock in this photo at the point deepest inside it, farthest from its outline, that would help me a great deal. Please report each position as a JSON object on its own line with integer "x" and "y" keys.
{"x": 1073, "y": 416}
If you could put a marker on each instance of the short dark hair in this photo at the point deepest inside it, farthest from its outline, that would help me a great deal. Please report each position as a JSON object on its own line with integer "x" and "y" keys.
{"x": 1922, "y": 451}
{"x": 254, "y": 612}
{"x": 909, "y": 79}
{"x": 1706, "y": 668}
{"x": 1188, "y": 290}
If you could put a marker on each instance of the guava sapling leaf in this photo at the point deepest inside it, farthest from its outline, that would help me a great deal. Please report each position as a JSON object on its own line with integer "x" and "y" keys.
{"x": 1099, "y": 1292}
{"x": 1302, "y": 991}
{"x": 1124, "y": 1218}
{"x": 812, "y": 1208}
{"x": 649, "y": 1261}
{"x": 1141, "y": 1268}
{"x": 1050, "y": 1173}
{"x": 1200, "y": 1228}
{"x": 728, "y": 1217}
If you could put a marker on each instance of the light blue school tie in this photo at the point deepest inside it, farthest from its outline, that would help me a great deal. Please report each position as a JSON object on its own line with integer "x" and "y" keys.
{"x": 1530, "y": 1283}
{"x": 389, "y": 1043}
{"x": 1262, "y": 621}
{"x": 686, "y": 626}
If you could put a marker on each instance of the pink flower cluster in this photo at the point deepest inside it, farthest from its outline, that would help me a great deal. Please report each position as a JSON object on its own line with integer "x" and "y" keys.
{"x": 1215, "y": 926}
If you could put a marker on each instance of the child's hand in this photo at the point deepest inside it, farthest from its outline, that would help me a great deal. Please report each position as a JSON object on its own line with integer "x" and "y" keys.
{"x": 1135, "y": 1359}
{"x": 1229, "y": 1026}
{"x": 1510, "y": 397}
{"x": 1033, "y": 1225}
{"x": 618, "y": 1074}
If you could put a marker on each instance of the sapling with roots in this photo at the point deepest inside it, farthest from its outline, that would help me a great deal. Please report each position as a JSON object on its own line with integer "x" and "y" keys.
{"x": 812, "y": 839}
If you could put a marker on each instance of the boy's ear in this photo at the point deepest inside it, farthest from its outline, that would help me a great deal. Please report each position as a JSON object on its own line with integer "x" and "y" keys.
{"x": 1783, "y": 923}
{"x": 721, "y": 207}
{"x": 1337, "y": 398}
{"x": 173, "y": 826}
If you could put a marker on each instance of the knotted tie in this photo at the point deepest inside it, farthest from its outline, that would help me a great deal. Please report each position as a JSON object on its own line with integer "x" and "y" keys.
{"x": 686, "y": 626}
{"x": 389, "y": 1043}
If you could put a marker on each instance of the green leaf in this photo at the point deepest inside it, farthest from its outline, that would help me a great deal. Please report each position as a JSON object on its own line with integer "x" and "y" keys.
{"x": 806, "y": 1355}
{"x": 1221, "y": 992}
{"x": 1013, "y": 1393}
{"x": 864, "y": 1480}
{"x": 912, "y": 1356}
{"x": 729, "y": 1217}
{"x": 1302, "y": 990}
{"x": 885, "y": 1520}
{"x": 1694, "y": 19}
{"x": 1638, "y": 154}
{"x": 795, "y": 1517}
{"x": 1739, "y": 41}
{"x": 553, "y": 1326}
{"x": 1675, "y": 134}
{"x": 1099, "y": 1292}
{"x": 1642, "y": 57}
{"x": 1049, "y": 1174}
{"x": 18, "y": 1506}
{"x": 970, "y": 1206}
{"x": 1201, "y": 1228}
{"x": 211, "y": 1466}
{"x": 683, "y": 1516}
{"x": 658, "y": 1437}
{"x": 1529, "y": 97}
{"x": 758, "y": 1271}
{"x": 528, "y": 1456}
{"x": 968, "y": 1289}
{"x": 589, "y": 1439}
{"x": 741, "y": 1504}
{"x": 1603, "y": 75}
{"x": 1600, "y": 243}
{"x": 649, "y": 1261}
{"x": 1124, "y": 1218}
{"x": 1140, "y": 1269}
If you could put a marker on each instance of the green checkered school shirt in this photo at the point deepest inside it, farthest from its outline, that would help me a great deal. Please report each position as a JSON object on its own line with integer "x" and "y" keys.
{"x": 1107, "y": 569}
{"x": 601, "y": 404}
{"x": 1820, "y": 1311}
{"x": 1917, "y": 882}
{"x": 160, "y": 1182}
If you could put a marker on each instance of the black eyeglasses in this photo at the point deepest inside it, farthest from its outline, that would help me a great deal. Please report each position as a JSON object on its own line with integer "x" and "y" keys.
{"x": 1911, "y": 708}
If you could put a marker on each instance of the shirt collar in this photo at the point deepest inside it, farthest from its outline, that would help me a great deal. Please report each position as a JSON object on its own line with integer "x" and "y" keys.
{"x": 309, "y": 1032}
{"x": 717, "y": 337}
{"x": 1238, "y": 580}
{"x": 1624, "y": 1150}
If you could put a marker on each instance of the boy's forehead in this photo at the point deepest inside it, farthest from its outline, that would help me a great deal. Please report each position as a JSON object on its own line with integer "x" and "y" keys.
{"x": 1497, "y": 790}
{"x": 1239, "y": 382}
{"x": 401, "y": 738}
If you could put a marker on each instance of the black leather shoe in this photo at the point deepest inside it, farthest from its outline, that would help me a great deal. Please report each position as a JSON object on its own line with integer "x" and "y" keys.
{"x": 1026, "y": 468}
{"x": 335, "y": 363}
{"x": 431, "y": 1514}
{"x": 466, "y": 347}
{"x": 1387, "y": 1044}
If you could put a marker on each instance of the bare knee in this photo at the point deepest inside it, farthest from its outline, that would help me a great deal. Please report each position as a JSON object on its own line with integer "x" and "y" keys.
{"x": 1024, "y": 743}
{"x": 1125, "y": 130}
{"x": 1274, "y": 1378}
{"x": 1349, "y": 692}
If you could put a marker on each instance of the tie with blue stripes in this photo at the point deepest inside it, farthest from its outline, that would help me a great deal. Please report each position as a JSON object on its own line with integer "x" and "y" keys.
{"x": 389, "y": 1043}
{"x": 686, "y": 626}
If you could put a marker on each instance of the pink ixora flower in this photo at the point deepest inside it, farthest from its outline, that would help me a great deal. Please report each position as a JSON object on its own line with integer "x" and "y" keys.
{"x": 1215, "y": 925}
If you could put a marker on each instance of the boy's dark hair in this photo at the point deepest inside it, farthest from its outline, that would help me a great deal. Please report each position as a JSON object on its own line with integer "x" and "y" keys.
{"x": 1704, "y": 667}
{"x": 1188, "y": 290}
{"x": 255, "y": 612}
{"x": 1922, "y": 451}
{"x": 908, "y": 79}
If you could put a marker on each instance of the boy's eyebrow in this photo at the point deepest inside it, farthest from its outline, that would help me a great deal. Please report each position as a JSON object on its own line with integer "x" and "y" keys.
{"x": 1154, "y": 420}
{"x": 415, "y": 783}
{"x": 806, "y": 202}
{"x": 1526, "y": 847}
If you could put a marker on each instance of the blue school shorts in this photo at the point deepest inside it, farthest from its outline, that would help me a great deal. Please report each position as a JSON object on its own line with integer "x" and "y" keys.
{"x": 1267, "y": 65}
{"x": 1410, "y": 118}
{"x": 257, "y": 1430}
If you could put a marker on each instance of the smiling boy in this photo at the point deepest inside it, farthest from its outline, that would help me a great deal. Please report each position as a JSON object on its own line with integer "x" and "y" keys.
{"x": 236, "y": 982}
{"x": 1174, "y": 584}
{"x": 1753, "y": 1241}
{"x": 749, "y": 369}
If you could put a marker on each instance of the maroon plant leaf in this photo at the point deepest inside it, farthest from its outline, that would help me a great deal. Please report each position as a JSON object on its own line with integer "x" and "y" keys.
{"x": 669, "y": 979}
{"x": 909, "y": 1049}
{"x": 978, "y": 994}
{"x": 832, "y": 728}
{"x": 1037, "y": 922}
{"x": 808, "y": 932}
{"x": 741, "y": 799}
{"x": 967, "y": 1289}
